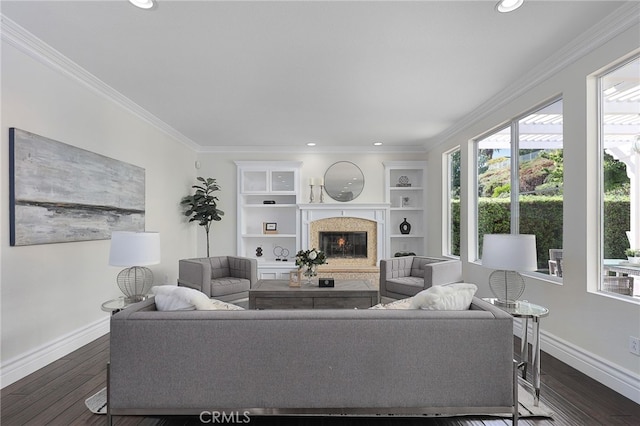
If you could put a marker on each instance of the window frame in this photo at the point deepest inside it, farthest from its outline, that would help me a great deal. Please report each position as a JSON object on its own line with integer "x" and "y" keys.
{"x": 447, "y": 238}
{"x": 514, "y": 125}
{"x": 600, "y": 112}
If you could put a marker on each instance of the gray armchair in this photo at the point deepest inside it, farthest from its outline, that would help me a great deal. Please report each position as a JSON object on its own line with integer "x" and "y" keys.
{"x": 403, "y": 277}
{"x": 225, "y": 278}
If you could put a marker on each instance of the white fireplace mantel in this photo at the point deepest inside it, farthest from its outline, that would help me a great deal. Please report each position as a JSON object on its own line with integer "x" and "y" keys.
{"x": 377, "y": 212}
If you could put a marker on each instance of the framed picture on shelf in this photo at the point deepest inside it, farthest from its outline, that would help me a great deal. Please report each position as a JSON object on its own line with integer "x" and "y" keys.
{"x": 269, "y": 227}
{"x": 295, "y": 277}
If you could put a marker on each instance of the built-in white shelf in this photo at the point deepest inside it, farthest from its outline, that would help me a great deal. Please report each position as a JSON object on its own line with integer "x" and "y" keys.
{"x": 405, "y": 183}
{"x": 279, "y": 183}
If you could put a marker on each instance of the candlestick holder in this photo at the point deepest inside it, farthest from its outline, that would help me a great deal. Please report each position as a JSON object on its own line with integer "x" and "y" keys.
{"x": 311, "y": 194}
{"x": 322, "y": 193}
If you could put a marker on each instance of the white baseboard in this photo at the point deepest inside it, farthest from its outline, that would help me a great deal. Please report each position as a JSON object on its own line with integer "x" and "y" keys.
{"x": 25, "y": 364}
{"x": 621, "y": 380}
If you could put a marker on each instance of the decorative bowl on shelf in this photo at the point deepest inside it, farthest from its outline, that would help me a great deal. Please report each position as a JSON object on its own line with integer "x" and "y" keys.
{"x": 403, "y": 181}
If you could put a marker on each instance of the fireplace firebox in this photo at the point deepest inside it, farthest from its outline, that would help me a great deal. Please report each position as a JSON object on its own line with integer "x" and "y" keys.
{"x": 343, "y": 244}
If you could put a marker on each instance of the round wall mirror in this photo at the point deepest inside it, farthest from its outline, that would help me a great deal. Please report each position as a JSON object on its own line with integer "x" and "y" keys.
{"x": 343, "y": 181}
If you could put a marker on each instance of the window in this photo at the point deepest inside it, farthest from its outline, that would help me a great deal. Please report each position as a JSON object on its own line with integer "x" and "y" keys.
{"x": 452, "y": 203}
{"x": 619, "y": 117}
{"x": 522, "y": 194}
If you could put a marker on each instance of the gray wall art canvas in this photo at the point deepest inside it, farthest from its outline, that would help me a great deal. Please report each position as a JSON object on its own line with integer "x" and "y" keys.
{"x": 60, "y": 193}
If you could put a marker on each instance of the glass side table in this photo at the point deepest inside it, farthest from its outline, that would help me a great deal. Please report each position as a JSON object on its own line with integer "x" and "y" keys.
{"x": 116, "y": 305}
{"x": 526, "y": 311}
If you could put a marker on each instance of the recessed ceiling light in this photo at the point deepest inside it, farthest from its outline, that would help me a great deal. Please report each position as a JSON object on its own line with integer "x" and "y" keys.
{"x": 311, "y": 144}
{"x": 142, "y": 4}
{"x": 505, "y": 6}
{"x": 377, "y": 143}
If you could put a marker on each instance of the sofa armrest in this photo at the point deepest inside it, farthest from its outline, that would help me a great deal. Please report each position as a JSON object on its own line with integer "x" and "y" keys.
{"x": 440, "y": 273}
{"x": 244, "y": 267}
{"x": 195, "y": 273}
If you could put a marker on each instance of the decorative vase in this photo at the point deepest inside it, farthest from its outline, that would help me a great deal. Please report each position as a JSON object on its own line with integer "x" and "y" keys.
{"x": 405, "y": 227}
{"x": 309, "y": 272}
{"x": 259, "y": 252}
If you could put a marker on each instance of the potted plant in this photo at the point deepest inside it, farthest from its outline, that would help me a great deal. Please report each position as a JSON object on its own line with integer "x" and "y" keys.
{"x": 202, "y": 205}
{"x": 633, "y": 255}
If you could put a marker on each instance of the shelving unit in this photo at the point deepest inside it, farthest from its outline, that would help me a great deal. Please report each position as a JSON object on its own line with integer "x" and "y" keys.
{"x": 275, "y": 182}
{"x": 405, "y": 191}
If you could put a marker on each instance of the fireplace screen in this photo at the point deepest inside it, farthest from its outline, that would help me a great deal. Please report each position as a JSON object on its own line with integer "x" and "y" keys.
{"x": 351, "y": 245}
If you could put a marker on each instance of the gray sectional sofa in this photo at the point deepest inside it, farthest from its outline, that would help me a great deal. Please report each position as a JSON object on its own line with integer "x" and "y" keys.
{"x": 311, "y": 361}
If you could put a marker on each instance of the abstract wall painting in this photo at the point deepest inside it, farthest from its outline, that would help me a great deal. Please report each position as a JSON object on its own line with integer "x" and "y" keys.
{"x": 61, "y": 193}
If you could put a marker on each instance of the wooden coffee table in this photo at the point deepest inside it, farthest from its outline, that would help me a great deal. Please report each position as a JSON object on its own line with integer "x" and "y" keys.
{"x": 347, "y": 294}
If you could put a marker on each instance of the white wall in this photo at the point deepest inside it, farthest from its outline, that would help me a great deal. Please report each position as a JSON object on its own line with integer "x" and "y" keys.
{"x": 590, "y": 331}
{"x": 221, "y": 166}
{"x": 51, "y": 294}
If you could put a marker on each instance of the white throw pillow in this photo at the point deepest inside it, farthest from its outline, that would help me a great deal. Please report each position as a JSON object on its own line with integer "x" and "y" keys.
{"x": 396, "y": 304}
{"x": 167, "y": 298}
{"x": 174, "y": 298}
{"x": 452, "y": 297}
{"x": 215, "y": 305}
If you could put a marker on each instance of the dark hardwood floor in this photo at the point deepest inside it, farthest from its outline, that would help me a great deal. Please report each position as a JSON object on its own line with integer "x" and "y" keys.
{"x": 55, "y": 395}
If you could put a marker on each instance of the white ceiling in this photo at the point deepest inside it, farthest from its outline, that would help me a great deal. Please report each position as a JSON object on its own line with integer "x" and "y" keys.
{"x": 245, "y": 75}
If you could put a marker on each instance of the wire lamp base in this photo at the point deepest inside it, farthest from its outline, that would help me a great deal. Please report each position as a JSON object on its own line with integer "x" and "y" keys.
{"x": 506, "y": 286}
{"x": 135, "y": 283}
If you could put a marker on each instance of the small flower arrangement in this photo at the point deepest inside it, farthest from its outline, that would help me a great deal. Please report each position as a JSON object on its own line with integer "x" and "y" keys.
{"x": 310, "y": 259}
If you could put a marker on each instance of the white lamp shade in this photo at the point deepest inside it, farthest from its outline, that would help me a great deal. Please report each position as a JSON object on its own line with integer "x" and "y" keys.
{"x": 134, "y": 248}
{"x": 510, "y": 252}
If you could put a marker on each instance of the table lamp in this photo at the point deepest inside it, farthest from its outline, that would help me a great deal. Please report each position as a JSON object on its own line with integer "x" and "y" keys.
{"x": 134, "y": 250}
{"x": 508, "y": 253}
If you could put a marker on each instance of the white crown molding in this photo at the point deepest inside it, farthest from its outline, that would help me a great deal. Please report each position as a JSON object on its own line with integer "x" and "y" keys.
{"x": 608, "y": 28}
{"x": 415, "y": 149}
{"x": 23, "y": 40}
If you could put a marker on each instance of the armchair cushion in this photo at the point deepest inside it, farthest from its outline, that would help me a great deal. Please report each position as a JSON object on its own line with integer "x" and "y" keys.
{"x": 405, "y": 285}
{"x": 229, "y": 285}
{"x": 219, "y": 267}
